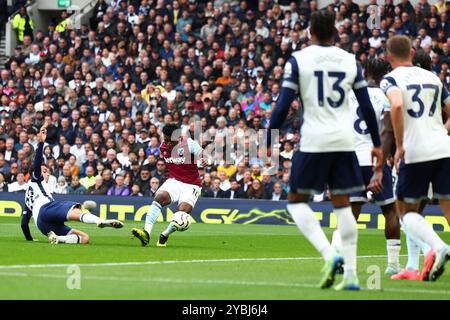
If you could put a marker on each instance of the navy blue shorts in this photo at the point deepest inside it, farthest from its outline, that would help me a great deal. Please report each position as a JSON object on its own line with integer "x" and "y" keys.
{"x": 414, "y": 180}
{"x": 53, "y": 215}
{"x": 312, "y": 172}
{"x": 385, "y": 197}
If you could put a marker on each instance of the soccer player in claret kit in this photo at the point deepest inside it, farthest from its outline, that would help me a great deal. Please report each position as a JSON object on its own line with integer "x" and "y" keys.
{"x": 322, "y": 76}
{"x": 417, "y": 98}
{"x": 183, "y": 185}
{"x": 50, "y": 215}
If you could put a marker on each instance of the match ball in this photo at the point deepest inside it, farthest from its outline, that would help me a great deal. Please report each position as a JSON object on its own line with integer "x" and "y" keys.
{"x": 181, "y": 220}
{"x": 90, "y": 205}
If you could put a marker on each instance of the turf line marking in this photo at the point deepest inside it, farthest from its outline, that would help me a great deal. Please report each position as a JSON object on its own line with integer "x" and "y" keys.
{"x": 141, "y": 263}
{"x": 215, "y": 282}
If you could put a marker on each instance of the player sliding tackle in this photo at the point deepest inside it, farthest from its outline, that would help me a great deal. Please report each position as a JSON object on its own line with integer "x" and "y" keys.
{"x": 49, "y": 214}
{"x": 416, "y": 97}
{"x": 183, "y": 185}
{"x": 322, "y": 76}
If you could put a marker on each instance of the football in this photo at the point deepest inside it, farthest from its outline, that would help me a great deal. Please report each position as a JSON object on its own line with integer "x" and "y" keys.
{"x": 181, "y": 220}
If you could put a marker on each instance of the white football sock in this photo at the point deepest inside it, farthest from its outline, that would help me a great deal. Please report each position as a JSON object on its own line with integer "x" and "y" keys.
{"x": 422, "y": 230}
{"x": 308, "y": 224}
{"x": 349, "y": 236}
{"x": 393, "y": 247}
{"x": 413, "y": 254}
{"x": 152, "y": 215}
{"x": 90, "y": 218}
{"x": 169, "y": 230}
{"x": 70, "y": 238}
{"x": 336, "y": 240}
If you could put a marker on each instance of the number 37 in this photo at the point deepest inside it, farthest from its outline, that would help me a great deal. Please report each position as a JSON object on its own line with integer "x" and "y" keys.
{"x": 417, "y": 88}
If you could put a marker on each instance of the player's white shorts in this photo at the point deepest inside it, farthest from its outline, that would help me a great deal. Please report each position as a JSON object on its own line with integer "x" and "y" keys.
{"x": 181, "y": 192}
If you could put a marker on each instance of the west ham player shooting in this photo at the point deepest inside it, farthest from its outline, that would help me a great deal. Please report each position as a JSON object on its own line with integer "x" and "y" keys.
{"x": 183, "y": 185}
{"x": 374, "y": 72}
{"x": 323, "y": 75}
{"x": 49, "y": 214}
{"x": 417, "y": 98}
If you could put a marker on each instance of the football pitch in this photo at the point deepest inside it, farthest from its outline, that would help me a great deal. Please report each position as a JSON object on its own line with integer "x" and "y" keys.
{"x": 226, "y": 262}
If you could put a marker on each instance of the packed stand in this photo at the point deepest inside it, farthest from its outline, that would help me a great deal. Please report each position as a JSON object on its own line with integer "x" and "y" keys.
{"x": 105, "y": 90}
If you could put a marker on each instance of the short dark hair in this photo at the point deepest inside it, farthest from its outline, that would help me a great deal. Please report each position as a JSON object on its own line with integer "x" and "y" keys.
{"x": 169, "y": 129}
{"x": 322, "y": 25}
{"x": 376, "y": 69}
{"x": 422, "y": 60}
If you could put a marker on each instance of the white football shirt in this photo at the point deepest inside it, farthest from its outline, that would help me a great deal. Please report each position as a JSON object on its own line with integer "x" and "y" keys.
{"x": 425, "y": 137}
{"x": 363, "y": 141}
{"x": 323, "y": 76}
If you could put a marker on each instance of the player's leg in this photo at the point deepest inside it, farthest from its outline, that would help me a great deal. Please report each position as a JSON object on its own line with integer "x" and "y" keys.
{"x": 79, "y": 213}
{"x": 344, "y": 179}
{"x": 336, "y": 237}
{"x": 188, "y": 198}
{"x": 308, "y": 176}
{"x": 412, "y": 187}
{"x": 72, "y": 236}
{"x": 392, "y": 235}
{"x": 165, "y": 195}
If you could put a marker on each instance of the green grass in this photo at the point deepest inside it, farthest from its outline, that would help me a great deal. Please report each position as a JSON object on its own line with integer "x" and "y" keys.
{"x": 196, "y": 264}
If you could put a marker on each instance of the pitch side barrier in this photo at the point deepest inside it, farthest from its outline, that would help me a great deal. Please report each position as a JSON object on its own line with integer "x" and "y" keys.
{"x": 219, "y": 211}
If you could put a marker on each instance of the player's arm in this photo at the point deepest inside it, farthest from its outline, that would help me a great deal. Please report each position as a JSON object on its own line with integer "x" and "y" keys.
{"x": 37, "y": 174}
{"x": 26, "y": 216}
{"x": 288, "y": 93}
{"x": 362, "y": 95}
{"x": 393, "y": 93}
{"x": 198, "y": 152}
{"x": 445, "y": 101}
{"x": 387, "y": 136}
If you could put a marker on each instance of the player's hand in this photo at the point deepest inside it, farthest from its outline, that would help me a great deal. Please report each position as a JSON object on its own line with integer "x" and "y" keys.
{"x": 205, "y": 162}
{"x": 377, "y": 158}
{"x": 376, "y": 185}
{"x": 399, "y": 156}
{"x": 43, "y": 133}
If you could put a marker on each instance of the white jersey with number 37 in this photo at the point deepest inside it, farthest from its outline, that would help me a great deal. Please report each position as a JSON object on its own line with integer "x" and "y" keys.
{"x": 363, "y": 141}
{"x": 425, "y": 137}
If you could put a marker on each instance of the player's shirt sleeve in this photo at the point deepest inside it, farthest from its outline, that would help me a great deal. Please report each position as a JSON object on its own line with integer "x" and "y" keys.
{"x": 37, "y": 174}
{"x": 26, "y": 216}
{"x": 290, "y": 78}
{"x": 386, "y": 107}
{"x": 445, "y": 97}
{"x": 387, "y": 85}
{"x": 360, "y": 82}
{"x": 194, "y": 147}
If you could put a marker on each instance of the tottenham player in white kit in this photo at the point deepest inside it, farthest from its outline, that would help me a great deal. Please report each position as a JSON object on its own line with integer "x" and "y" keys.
{"x": 417, "y": 98}
{"x": 322, "y": 76}
{"x": 49, "y": 214}
{"x": 374, "y": 71}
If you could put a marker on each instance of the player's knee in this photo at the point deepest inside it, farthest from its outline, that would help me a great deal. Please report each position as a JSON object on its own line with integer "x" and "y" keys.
{"x": 163, "y": 198}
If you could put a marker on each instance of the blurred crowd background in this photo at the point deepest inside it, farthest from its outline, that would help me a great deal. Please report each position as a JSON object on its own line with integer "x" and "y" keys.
{"x": 107, "y": 88}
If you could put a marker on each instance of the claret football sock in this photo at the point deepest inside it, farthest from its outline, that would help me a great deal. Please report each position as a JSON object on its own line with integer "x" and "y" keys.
{"x": 309, "y": 225}
{"x": 152, "y": 215}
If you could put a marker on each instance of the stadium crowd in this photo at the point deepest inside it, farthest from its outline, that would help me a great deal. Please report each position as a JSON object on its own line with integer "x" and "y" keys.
{"x": 106, "y": 89}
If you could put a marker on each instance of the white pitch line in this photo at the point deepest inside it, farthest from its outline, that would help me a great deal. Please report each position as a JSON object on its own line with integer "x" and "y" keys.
{"x": 160, "y": 262}
{"x": 184, "y": 281}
